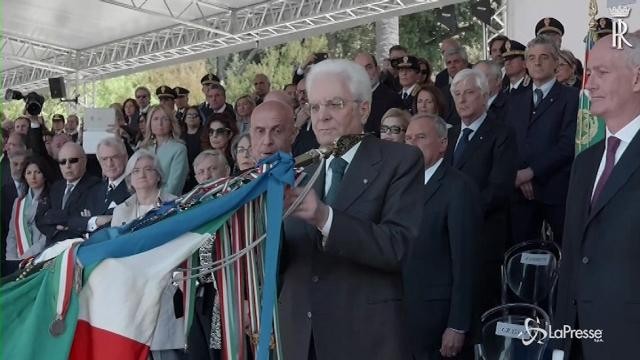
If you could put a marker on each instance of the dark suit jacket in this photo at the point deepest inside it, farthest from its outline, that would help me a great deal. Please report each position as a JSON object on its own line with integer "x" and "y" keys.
{"x": 598, "y": 287}
{"x": 438, "y": 270}
{"x": 50, "y": 212}
{"x": 206, "y": 111}
{"x": 498, "y": 106}
{"x": 407, "y": 103}
{"x": 490, "y": 161}
{"x": 546, "y": 138}
{"x": 383, "y": 99}
{"x": 100, "y": 201}
{"x": 349, "y": 293}
{"x": 442, "y": 79}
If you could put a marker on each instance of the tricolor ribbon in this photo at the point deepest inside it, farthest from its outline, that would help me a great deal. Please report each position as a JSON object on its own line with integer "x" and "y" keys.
{"x": 65, "y": 266}
{"x": 21, "y": 223}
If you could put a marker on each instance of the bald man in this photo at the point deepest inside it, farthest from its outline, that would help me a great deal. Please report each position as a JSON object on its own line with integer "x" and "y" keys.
{"x": 67, "y": 213}
{"x": 272, "y": 129}
{"x": 279, "y": 95}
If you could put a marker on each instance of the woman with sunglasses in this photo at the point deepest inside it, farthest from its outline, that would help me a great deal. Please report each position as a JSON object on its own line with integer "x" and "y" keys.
{"x": 24, "y": 240}
{"x": 394, "y": 124}
{"x": 162, "y": 137}
{"x": 220, "y": 132}
{"x": 192, "y": 138}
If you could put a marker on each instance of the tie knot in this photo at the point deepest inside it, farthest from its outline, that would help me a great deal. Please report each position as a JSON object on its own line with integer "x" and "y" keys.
{"x": 466, "y": 132}
{"x": 111, "y": 186}
{"x": 538, "y": 93}
{"x": 338, "y": 165}
{"x": 612, "y": 144}
{"x": 69, "y": 187}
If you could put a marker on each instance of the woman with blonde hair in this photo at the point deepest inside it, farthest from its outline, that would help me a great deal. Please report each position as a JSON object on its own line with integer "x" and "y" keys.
{"x": 162, "y": 137}
{"x": 566, "y": 71}
{"x": 394, "y": 125}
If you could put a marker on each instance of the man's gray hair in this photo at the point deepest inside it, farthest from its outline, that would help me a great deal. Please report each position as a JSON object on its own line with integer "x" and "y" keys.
{"x": 457, "y": 51}
{"x": 114, "y": 143}
{"x": 143, "y": 154}
{"x": 209, "y": 153}
{"x": 544, "y": 41}
{"x": 494, "y": 69}
{"x": 478, "y": 77}
{"x": 438, "y": 123}
{"x": 353, "y": 75}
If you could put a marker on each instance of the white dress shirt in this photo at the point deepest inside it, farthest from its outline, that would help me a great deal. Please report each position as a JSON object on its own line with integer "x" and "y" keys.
{"x": 625, "y": 135}
{"x": 546, "y": 87}
{"x": 428, "y": 172}
{"x": 348, "y": 157}
{"x": 408, "y": 91}
{"x": 517, "y": 84}
{"x": 91, "y": 224}
{"x": 475, "y": 125}
{"x": 490, "y": 101}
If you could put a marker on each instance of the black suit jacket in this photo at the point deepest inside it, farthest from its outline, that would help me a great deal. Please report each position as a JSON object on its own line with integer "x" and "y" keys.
{"x": 442, "y": 79}
{"x": 546, "y": 138}
{"x": 438, "y": 270}
{"x": 407, "y": 103}
{"x": 383, "y": 99}
{"x": 206, "y": 111}
{"x": 490, "y": 161}
{"x": 50, "y": 212}
{"x": 100, "y": 202}
{"x": 598, "y": 287}
{"x": 349, "y": 292}
{"x": 498, "y": 106}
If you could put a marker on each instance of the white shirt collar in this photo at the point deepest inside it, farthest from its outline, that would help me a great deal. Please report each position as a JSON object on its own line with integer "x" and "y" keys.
{"x": 375, "y": 86}
{"x": 628, "y": 132}
{"x": 409, "y": 90}
{"x": 74, "y": 183}
{"x": 475, "y": 125}
{"x": 117, "y": 181}
{"x": 546, "y": 87}
{"x": 428, "y": 172}
{"x": 517, "y": 84}
{"x": 348, "y": 157}
{"x": 221, "y": 110}
{"x": 491, "y": 99}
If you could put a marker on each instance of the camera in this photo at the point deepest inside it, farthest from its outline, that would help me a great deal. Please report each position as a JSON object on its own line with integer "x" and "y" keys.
{"x": 33, "y": 101}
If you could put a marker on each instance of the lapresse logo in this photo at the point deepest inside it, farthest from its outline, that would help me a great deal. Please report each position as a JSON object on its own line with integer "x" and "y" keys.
{"x": 531, "y": 332}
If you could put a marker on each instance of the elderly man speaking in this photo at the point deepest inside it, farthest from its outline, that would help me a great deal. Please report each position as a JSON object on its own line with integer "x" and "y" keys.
{"x": 341, "y": 295}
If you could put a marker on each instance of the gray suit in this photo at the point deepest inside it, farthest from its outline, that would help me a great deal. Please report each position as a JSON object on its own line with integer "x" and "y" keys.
{"x": 348, "y": 295}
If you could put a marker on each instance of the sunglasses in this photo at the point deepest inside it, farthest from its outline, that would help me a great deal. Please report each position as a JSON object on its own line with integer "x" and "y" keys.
{"x": 392, "y": 129}
{"x": 219, "y": 132}
{"x": 69, "y": 160}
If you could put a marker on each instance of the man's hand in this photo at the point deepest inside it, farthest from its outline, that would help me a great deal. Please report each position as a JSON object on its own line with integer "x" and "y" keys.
{"x": 523, "y": 176}
{"x": 61, "y": 228}
{"x": 102, "y": 219}
{"x": 527, "y": 190}
{"x": 452, "y": 342}
{"x": 311, "y": 209}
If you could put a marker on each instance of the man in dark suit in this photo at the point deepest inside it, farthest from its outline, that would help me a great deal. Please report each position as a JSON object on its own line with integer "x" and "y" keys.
{"x": 216, "y": 103}
{"x": 438, "y": 270}
{"x": 341, "y": 280}
{"x": 66, "y": 213}
{"x": 382, "y": 99}
{"x": 484, "y": 149}
{"x": 497, "y": 98}
{"x": 110, "y": 192}
{"x": 544, "y": 119}
{"x": 456, "y": 59}
{"x": 598, "y": 286}
{"x": 11, "y": 190}
{"x": 305, "y": 139}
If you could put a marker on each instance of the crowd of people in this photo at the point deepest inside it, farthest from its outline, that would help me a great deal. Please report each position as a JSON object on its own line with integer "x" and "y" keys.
{"x": 396, "y": 252}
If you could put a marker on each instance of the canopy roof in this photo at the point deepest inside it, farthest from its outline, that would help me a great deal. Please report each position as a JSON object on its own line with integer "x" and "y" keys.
{"x": 85, "y": 40}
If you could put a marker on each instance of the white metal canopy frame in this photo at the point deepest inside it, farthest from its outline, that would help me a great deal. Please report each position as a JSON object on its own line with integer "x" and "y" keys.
{"x": 153, "y": 33}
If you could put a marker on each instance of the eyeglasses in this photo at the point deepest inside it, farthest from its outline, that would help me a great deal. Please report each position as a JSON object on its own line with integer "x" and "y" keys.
{"x": 392, "y": 129}
{"x": 219, "y": 132}
{"x": 335, "y": 104}
{"x": 191, "y": 115}
{"x": 146, "y": 170}
{"x": 69, "y": 160}
{"x": 243, "y": 150}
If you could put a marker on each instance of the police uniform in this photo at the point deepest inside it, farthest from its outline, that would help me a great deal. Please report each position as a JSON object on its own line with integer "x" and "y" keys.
{"x": 203, "y": 107}
{"x": 513, "y": 50}
{"x": 165, "y": 92}
{"x": 408, "y": 62}
{"x": 180, "y": 113}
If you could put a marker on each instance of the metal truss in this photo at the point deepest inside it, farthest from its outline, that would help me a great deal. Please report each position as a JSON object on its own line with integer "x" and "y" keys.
{"x": 203, "y": 28}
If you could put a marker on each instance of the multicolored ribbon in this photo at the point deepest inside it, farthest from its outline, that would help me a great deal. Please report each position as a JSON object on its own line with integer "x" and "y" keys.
{"x": 21, "y": 224}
